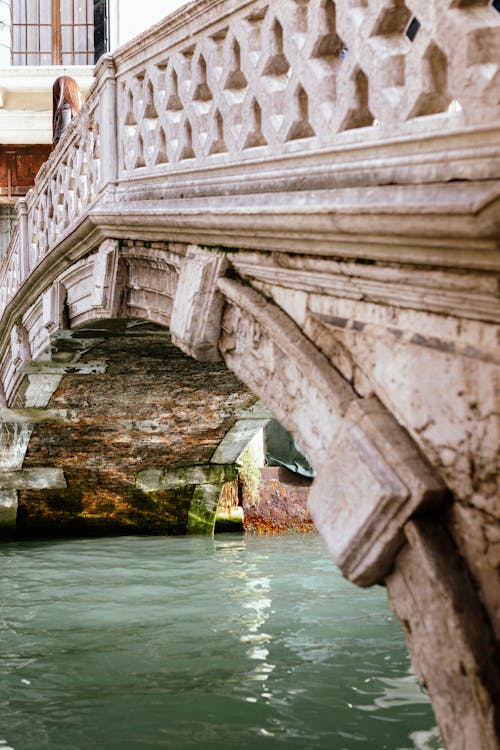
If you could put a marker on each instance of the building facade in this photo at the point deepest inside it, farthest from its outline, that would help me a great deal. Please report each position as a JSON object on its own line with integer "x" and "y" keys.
{"x": 39, "y": 41}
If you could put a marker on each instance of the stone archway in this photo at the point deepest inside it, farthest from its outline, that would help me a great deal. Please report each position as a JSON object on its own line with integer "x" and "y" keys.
{"x": 131, "y": 428}
{"x": 377, "y": 499}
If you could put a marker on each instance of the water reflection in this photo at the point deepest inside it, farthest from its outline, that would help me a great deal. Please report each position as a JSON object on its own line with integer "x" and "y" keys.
{"x": 253, "y": 592}
{"x": 184, "y": 643}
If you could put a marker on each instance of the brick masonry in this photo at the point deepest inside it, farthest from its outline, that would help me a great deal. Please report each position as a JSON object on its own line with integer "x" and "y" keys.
{"x": 282, "y": 505}
{"x": 154, "y": 407}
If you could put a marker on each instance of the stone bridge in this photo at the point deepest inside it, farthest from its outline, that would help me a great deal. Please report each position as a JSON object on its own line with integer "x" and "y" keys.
{"x": 303, "y": 196}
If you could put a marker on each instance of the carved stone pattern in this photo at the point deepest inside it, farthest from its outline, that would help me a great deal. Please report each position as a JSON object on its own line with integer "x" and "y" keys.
{"x": 64, "y": 188}
{"x": 68, "y": 190}
{"x": 307, "y": 70}
{"x": 10, "y": 270}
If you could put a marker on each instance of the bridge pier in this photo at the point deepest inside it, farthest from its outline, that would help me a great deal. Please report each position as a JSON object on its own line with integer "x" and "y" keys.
{"x": 205, "y": 484}
{"x": 8, "y": 510}
{"x": 448, "y": 634}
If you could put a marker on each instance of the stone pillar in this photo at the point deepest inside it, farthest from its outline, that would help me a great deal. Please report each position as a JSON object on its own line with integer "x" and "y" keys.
{"x": 24, "y": 240}
{"x": 449, "y": 637}
{"x": 203, "y": 509}
{"x": 105, "y": 74}
{"x": 14, "y": 439}
{"x": 8, "y": 510}
{"x": 205, "y": 482}
{"x": 16, "y": 426}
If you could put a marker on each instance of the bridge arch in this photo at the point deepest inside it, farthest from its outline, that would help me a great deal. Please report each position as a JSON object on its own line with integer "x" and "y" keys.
{"x": 377, "y": 500}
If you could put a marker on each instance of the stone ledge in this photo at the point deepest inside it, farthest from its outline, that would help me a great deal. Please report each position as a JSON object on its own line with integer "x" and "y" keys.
{"x": 154, "y": 480}
{"x": 33, "y": 479}
{"x": 48, "y": 367}
{"x": 34, "y": 415}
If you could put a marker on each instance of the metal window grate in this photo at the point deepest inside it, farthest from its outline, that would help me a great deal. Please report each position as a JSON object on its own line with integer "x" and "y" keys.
{"x": 8, "y": 218}
{"x": 52, "y": 32}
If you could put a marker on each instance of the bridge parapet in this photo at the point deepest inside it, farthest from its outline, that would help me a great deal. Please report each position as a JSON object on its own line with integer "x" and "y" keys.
{"x": 251, "y": 81}
{"x": 226, "y": 98}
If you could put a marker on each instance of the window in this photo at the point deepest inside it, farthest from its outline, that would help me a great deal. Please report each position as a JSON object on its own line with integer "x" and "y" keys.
{"x": 8, "y": 218}
{"x": 58, "y": 32}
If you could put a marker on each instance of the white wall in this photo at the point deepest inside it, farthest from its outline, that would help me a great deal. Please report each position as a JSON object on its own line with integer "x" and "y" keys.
{"x": 129, "y": 17}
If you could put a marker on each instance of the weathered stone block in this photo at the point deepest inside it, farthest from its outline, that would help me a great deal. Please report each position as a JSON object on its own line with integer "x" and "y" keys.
{"x": 236, "y": 440}
{"x": 450, "y": 641}
{"x": 152, "y": 480}
{"x": 195, "y": 325}
{"x": 36, "y": 479}
{"x": 108, "y": 280}
{"x": 8, "y": 509}
{"x": 14, "y": 439}
{"x": 20, "y": 345}
{"x": 53, "y": 307}
{"x": 203, "y": 509}
{"x": 372, "y": 484}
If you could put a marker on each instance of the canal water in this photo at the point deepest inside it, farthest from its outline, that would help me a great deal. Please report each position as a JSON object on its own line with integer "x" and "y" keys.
{"x": 131, "y": 643}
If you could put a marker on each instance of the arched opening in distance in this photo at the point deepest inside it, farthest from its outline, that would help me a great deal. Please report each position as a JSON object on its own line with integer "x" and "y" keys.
{"x": 150, "y": 441}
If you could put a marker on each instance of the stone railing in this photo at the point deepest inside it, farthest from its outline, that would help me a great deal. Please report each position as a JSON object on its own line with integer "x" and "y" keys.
{"x": 67, "y": 185}
{"x": 295, "y": 76}
{"x": 228, "y": 97}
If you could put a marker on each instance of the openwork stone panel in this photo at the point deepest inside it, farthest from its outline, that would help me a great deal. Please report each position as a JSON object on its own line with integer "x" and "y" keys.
{"x": 213, "y": 93}
{"x": 66, "y": 188}
{"x": 299, "y": 74}
{"x": 10, "y": 270}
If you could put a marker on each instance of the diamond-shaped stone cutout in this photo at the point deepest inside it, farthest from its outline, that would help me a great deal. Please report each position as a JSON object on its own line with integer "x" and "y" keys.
{"x": 202, "y": 91}
{"x": 328, "y": 44}
{"x": 188, "y": 151}
{"x": 139, "y": 162}
{"x": 301, "y": 127}
{"x": 218, "y": 145}
{"x": 130, "y": 117}
{"x": 277, "y": 63}
{"x": 358, "y": 115}
{"x": 434, "y": 97}
{"x": 235, "y": 78}
{"x": 393, "y": 19}
{"x": 150, "y": 110}
{"x": 174, "y": 103}
{"x": 255, "y": 136}
{"x": 161, "y": 154}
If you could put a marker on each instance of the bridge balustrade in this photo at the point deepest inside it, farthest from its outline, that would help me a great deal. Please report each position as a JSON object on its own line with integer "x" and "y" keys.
{"x": 232, "y": 97}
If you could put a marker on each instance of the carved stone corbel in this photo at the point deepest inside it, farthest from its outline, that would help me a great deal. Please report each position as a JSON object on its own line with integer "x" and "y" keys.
{"x": 109, "y": 280}
{"x": 20, "y": 345}
{"x": 197, "y": 309}
{"x": 374, "y": 480}
{"x": 54, "y": 307}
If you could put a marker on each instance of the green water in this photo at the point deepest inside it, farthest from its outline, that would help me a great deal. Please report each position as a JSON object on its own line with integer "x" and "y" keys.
{"x": 181, "y": 642}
